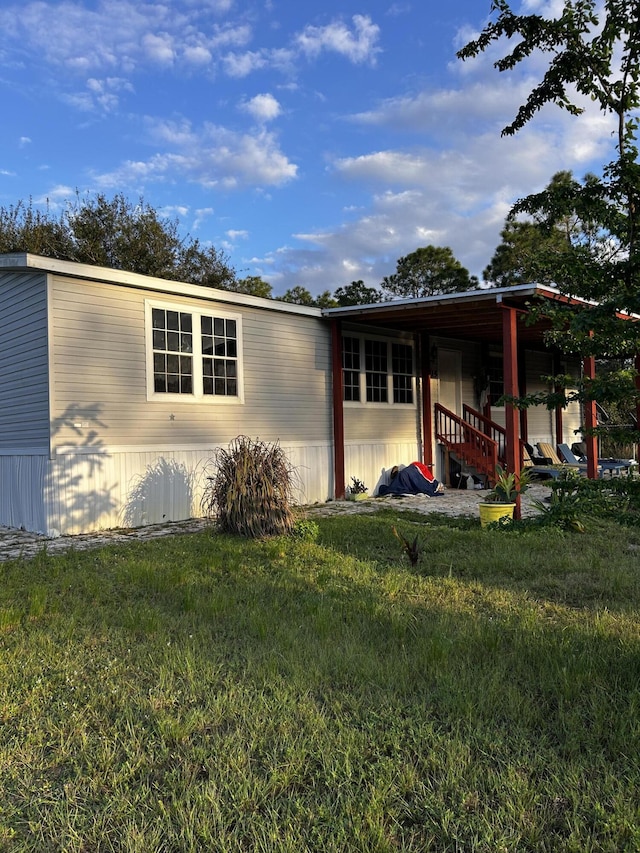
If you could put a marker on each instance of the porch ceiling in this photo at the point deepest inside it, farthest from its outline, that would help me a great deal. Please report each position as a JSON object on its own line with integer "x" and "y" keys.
{"x": 475, "y": 315}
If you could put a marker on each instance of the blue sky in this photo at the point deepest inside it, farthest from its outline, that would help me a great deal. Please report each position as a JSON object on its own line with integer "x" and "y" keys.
{"x": 314, "y": 142}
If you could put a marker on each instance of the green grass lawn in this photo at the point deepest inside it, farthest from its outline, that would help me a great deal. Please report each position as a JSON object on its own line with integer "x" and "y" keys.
{"x": 203, "y": 692}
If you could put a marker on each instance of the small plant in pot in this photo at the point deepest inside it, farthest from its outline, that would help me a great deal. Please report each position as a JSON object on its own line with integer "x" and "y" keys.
{"x": 357, "y": 490}
{"x": 501, "y": 500}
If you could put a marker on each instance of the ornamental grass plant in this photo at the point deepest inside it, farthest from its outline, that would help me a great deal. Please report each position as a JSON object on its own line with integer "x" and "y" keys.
{"x": 250, "y": 492}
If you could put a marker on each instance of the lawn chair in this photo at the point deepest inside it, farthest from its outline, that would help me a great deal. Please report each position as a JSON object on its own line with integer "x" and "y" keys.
{"x": 613, "y": 466}
{"x": 537, "y": 469}
{"x": 546, "y": 450}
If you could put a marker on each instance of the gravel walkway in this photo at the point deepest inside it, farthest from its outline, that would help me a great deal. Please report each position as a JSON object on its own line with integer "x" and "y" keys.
{"x": 19, "y": 543}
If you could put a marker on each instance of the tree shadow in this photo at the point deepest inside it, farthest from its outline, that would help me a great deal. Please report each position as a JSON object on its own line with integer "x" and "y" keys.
{"x": 76, "y": 493}
{"x": 165, "y": 492}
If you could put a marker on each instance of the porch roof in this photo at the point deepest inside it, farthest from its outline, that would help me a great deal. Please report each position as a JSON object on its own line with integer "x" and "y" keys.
{"x": 473, "y": 314}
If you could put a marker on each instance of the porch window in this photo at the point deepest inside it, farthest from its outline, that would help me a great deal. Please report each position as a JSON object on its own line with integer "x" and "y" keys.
{"x": 402, "y": 371}
{"x": 375, "y": 370}
{"x": 192, "y": 354}
{"x": 376, "y": 367}
{"x": 495, "y": 374}
{"x": 351, "y": 368}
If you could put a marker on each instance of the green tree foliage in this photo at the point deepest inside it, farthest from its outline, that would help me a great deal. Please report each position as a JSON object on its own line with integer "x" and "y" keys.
{"x": 357, "y": 293}
{"x": 426, "y": 272}
{"x": 114, "y": 233}
{"x": 326, "y": 300}
{"x": 593, "y": 51}
{"x": 299, "y": 295}
{"x": 25, "y": 229}
{"x": 254, "y": 285}
{"x": 531, "y": 250}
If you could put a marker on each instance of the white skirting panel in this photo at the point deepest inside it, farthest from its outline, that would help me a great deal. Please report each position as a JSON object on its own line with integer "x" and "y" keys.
{"x": 81, "y": 491}
{"x": 368, "y": 461}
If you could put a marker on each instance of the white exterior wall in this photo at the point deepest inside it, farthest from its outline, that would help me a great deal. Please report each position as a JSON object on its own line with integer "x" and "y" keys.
{"x": 100, "y": 454}
{"x": 121, "y": 459}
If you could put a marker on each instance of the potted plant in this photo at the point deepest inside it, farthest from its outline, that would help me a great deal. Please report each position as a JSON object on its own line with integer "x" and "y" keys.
{"x": 501, "y": 500}
{"x": 357, "y": 490}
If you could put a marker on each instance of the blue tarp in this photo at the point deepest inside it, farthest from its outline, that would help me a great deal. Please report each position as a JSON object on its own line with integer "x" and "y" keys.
{"x": 410, "y": 481}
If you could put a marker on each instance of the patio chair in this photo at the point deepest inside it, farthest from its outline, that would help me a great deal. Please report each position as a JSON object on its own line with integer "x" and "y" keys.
{"x": 539, "y": 470}
{"x": 613, "y": 466}
{"x": 547, "y": 450}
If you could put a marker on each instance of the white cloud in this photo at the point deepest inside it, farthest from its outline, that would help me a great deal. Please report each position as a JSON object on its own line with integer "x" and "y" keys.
{"x": 159, "y": 48}
{"x": 455, "y": 192}
{"x": 101, "y": 94}
{"x": 202, "y": 213}
{"x": 121, "y": 35}
{"x": 170, "y": 211}
{"x": 212, "y": 157}
{"x": 57, "y": 197}
{"x": 237, "y": 235}
{"x": 262, "y": 108}
{"x": 197, "y": 54}
{"x": 243, "y": 64}
{"x": 358, "y": 45}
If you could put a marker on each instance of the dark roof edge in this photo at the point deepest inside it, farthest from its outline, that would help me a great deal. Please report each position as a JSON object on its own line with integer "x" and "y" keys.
{"x": 496, "y": 294}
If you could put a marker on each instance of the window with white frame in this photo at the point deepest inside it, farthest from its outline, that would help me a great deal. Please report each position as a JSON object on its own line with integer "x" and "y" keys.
{"x": 375, "y": 370}
{"x": 351, "y": 368}
{"x": 402, "y": 373}
{"x": 192, "y": 354}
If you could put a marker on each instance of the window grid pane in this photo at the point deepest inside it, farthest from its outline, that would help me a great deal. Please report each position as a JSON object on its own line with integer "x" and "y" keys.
{"x": 172, "y": 371}
{"x": 402, "y": 368}
{"x": 351, "y": 368}
{"x": 219, "y": 357}
{"x": 376, "y": 370}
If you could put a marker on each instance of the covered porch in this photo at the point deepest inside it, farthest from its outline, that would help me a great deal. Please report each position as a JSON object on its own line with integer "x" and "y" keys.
{"x": 490, "y": 319}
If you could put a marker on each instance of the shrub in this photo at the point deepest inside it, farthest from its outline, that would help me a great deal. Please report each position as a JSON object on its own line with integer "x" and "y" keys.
{"x": 251, "y": 490}
{"x": 305, "y": 530}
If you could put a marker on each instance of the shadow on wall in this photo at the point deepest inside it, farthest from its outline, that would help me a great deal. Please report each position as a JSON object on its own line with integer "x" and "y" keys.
{"x": 77, "y": 495}
{"x": 165, "y": 492}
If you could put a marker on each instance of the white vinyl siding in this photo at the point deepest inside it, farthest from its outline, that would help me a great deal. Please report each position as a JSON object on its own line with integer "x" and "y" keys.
{"x": 100, "y": 363}
{"x": 540, "y": 420}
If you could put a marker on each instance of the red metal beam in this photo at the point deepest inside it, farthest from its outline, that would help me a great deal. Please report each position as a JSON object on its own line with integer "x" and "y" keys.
{"x": 338, "y": 410}
{"x": 427, "y": 416}
{"x": 510, "y": 343}
{"x": 590, "y": 422}
{"x": 637, "y": 365}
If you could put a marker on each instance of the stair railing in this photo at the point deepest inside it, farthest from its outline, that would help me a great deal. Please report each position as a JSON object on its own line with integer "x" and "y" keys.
{"x": 471, "y": 445}
{"x": 491, "y": 428}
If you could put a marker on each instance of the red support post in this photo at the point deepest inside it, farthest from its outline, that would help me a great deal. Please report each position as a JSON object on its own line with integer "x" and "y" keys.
{"x": 637, "y": 366}
{"x": 590, "y": 422}
{"x": 427, "y": 411}
{"x": 559, "y": 421}
{"x": 512, "y": 440}
{"x": 338, "y": 410}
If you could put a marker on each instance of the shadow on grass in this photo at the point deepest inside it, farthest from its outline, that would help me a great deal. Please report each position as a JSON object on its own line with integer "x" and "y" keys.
{"x": 465, "y": 706}
{"x": 596, "y": 570}
{"x": 448, "y": 634}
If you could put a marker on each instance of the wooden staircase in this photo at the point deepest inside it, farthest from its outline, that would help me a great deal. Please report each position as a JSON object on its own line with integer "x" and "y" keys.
{"x": 488, "y": 427}
{"x": 475, "y": 440}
